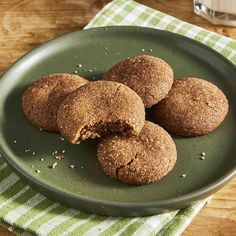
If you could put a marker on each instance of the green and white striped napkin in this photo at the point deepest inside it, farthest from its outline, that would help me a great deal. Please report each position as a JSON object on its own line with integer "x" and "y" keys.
{"x": 26, "y": 212}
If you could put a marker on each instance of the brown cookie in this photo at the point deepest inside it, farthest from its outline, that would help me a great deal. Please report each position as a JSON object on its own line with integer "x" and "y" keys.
{"x": 98, "y": 108}
{"x": 193, "y": 107}
{"x": 150, "y": 77}
{"x": 42, "y": 99}
{"x": 138, "y": 160}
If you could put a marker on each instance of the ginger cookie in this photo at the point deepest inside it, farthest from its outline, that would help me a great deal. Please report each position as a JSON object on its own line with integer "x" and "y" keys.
{"x": 150, "y": 77}
{"x": 138, "y": 159}
{"x": 98, "y": 108}
{"x": 193, "y": 107}
{"x": 42, "y": 99}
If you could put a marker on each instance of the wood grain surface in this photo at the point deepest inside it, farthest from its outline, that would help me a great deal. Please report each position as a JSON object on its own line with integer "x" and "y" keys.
{"x": 28, "y": 23}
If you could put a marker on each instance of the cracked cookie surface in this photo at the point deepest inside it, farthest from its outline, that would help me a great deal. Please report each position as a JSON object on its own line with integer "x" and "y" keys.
{"x": 150, "y": 77}
{"x": 41, "y": 100}
{"x": 138, "y": 160}
{"x": 98, "y": 108}
{"x": 193, "y": 107}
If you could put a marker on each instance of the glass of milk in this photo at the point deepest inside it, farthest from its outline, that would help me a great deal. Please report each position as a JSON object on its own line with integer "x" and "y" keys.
{"x": 220, "y": 12}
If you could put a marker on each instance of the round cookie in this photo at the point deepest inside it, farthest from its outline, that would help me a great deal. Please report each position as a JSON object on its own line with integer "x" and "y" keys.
{"x": 138, "y": 159}
{"x": 42, "y": 99}
{"x": 98, "y": 108}
{"x": 150, "y": 77}
{"x": 193, "y": 107}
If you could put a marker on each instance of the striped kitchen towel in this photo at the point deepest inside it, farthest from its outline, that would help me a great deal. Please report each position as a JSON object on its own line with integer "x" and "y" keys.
{"x": 26, "y": 212}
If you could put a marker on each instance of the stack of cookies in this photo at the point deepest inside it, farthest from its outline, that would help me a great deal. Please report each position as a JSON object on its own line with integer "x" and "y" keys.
{"x": 132, "y": 149}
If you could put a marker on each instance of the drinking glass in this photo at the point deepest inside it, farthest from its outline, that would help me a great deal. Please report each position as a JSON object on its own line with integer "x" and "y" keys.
{"x": 221, "y": 12}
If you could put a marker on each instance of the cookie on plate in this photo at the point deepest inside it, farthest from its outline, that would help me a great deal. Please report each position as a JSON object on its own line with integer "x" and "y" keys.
{"x": 150, "y": 77}
{"x": 193, "y": 107}
{"x": 138, "y": 159}
{"x": 41, "y": 100}
{"x": 99, "y": 108}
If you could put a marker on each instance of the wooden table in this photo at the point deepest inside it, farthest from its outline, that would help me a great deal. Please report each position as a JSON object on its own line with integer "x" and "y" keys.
{"x": 28, "y": 23}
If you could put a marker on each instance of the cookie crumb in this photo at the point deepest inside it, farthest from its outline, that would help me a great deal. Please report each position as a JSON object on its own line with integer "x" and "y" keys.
{"x": 80, "y": 65}
{"x": 53, "y": 166}
{"x": 76, "y": 72}
{"x": 72, "y": 166}
{"x": 183, "y": 175}
{"x": 55, "y": 152}
{"x": 203, "y": 154}
{"x": 202, "y": 158}
{"x": 38, "y": 171}
{"x": 62, "y": 139}
{"x": 59, "y": 157}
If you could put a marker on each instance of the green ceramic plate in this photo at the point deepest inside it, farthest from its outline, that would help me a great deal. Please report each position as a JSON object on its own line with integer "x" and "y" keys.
{"x": 86, "y": 187}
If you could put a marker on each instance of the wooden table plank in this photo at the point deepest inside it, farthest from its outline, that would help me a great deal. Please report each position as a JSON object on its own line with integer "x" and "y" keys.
{"x": 4, "y": 232}
{"x": 28, "y": 23}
